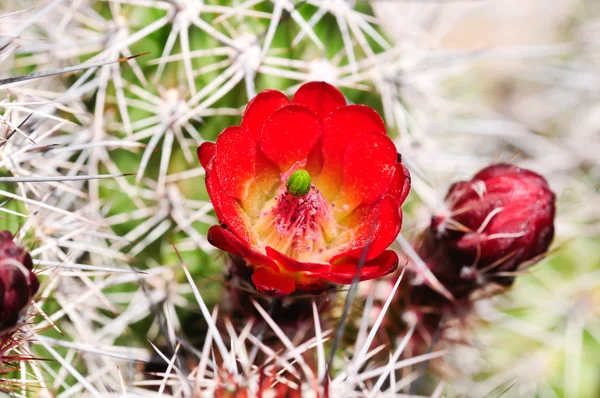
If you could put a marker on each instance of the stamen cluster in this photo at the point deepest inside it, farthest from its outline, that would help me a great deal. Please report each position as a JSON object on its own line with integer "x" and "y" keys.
{"x": 300, "y": 219}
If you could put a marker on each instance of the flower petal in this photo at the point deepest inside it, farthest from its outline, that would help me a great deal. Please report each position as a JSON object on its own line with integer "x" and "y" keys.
{"x": 293, "y": 265}
{"x": 377, "y": 227}
{"x": 314, "y": 162}
{"x": 227, "y": 208}
{"x": 473, "y": 199}
{"x": 512, "y": 171}
{"x": 525, "y": 220}
{"x": 273, "y": 282}
{"x": 206, "y": 152}
{"x": 260, "y": 108}
{"x": 384, "y": 264}
{"x": 400, "y": 185}
{"x": 224, "y": 239}
{"x": 234, "y": 161}
{"x": 369, "y": 165}
{"x": 320, "y": 97}
{"x": 265, "y": 182}
{"x": 289, "y": 135}
{"x": 339, "y": 129}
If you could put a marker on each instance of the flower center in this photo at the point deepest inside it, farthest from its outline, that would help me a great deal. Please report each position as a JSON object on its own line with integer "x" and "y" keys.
{"x": 300, "y": 223}
{"x": 298, "y": 226}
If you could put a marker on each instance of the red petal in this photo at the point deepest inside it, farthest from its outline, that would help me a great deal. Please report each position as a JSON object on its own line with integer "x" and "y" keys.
{"x": 225, "y": 240}
{"x": 289, "y": 135}
{"x": 339, "y": 129}
{"x": 484, "y": 195}
{"x": 520, "y": 217}
{"x": 510, "y": 170}
{"x": 344, "y": 273}
{"x": 273, "y": 282}
{"x": 376, "y": 226}
{"x": 320, "y": 97}
{"x": 400, "y": 186}
{"x": 234, "y": 161}
{"x": 312, "y": 287}
{"x": 369, "y": 165}
{"x": 227, "y": 208}
{"x": 314, "y": 162}
{"x": 293, "y": 265}
{"x": 260, "y": 108}
{"x": 267, "y": 175}
{"x": 205, "y": 152}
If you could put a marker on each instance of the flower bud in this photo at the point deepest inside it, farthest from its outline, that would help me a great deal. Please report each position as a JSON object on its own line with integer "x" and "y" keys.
{"x": 495, "y": 222}
{"x": 18, "y": 283}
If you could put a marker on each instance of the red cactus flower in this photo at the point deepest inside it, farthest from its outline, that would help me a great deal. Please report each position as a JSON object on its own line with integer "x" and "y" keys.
{"x": 501, "y": 218}
{"x": 18, "y": 283}
{"x": 303, "y": 187}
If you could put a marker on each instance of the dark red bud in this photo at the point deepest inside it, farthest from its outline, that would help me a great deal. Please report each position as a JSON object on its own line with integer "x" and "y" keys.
{"x": 18, "y": 283}
{"x": 493, "y": 223}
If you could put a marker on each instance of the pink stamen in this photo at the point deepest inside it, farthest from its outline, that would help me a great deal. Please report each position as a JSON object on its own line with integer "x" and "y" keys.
{"x": 301, "y": 219}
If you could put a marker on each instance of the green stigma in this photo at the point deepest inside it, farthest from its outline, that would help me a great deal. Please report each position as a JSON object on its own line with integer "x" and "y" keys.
{"x": 299, "y": 183}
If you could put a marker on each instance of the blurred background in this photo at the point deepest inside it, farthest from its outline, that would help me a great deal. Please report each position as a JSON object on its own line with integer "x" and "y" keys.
{"x": 460, "y": 84}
